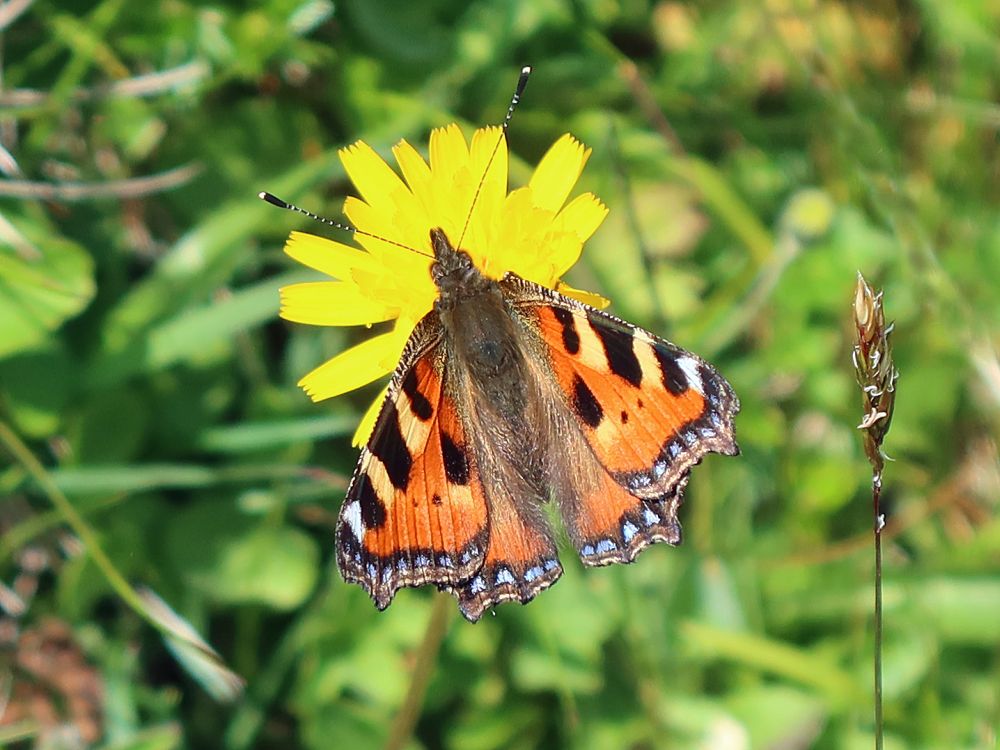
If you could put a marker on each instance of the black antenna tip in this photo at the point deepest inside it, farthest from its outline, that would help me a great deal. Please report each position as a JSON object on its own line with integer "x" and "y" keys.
{"x": 272, "y": 199}
{"x": 522, "y": 81}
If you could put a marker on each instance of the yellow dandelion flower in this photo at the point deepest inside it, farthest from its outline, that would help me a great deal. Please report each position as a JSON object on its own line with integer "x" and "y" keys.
{"x": 531, "y": 231}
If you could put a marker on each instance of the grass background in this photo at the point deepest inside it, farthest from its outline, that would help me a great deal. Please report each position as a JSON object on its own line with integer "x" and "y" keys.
{"x": 755, "y": 156}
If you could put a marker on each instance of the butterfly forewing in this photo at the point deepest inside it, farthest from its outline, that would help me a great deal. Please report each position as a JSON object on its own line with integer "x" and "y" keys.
{"x": 415, "y": 511}
{"x": 649, "y": 410}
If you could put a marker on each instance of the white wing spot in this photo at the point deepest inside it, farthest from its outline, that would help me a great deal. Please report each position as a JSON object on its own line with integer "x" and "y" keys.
{"x": 638, "y": 481}
{"x": 504, "y": 576}
{"x": 352, "y": 515}
{"x": 690, "y": 367}
{"x": 628, "y": 531}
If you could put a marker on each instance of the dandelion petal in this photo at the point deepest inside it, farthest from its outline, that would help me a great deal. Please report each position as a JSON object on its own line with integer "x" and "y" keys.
{"x": 557, "y": 173}
{"x": 582, "y": 216}
{"x": 353, "y": 368}
{"x": 588, "y": 298}
{"x": 577, "y": 222}
{"x": 415, "y": 170}
{"x": 379, "y": 186}
{"x": 367, "y": 423}
{"x": 332, "y": 258}
{"x": 333, "y": 303}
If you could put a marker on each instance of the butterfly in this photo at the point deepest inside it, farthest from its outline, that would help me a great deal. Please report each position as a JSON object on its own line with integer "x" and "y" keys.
{"x": 509, "y": 398}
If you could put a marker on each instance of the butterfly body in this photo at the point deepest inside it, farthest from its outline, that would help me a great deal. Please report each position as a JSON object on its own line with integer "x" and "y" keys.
{"x": 510, "y": 397}
{"x": 479, "y": 337}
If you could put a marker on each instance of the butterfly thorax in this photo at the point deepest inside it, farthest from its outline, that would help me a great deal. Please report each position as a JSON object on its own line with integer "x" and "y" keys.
{"x": 476, "y": 322}
{"x": 454, "y": 273}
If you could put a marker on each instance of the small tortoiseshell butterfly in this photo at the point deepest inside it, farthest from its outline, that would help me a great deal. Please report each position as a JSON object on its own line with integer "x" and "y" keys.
{"x": 509, "y": 397}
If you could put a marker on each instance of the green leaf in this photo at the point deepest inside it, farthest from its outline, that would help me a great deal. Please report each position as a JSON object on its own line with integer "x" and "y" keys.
{"x": 255, "y": 436}
{"x": 963, "y": 611}
{"x": 200, "y": 332}
{"x": 35, "y": 388}
{"x": 166, "y": 737}
{"x": 39, "y": 292}
{"x": 275, "y": 567}
{"x": 233, "y": 559}
{"x": 778, "y": 715}
{"x": 195, "y": 267}
{"x": 110, "y": 427}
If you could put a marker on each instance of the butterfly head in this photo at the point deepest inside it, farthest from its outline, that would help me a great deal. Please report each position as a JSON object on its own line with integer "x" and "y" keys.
{"x": 453, "y": 272}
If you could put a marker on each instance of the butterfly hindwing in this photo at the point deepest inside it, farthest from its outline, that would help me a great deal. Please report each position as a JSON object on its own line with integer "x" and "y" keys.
{"x": 415, "y": 512}
{"x": 610, "y": 525}
{"x": 520, "y": 562}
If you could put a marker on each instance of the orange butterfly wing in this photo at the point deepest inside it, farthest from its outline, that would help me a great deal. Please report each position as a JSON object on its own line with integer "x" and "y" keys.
{"x": 414, "y": 512}
{"x": 420, "y": 510}
{"x": 610, "y": 525}
{"x": 647, "y": 410}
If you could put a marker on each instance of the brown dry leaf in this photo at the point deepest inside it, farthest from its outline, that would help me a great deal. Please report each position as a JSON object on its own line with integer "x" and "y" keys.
{"x": 53, "y": 685}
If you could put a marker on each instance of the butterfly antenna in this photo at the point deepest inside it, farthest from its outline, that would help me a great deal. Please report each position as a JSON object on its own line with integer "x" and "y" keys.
{"x": 522, "y": 81}
{"x": 276, "y": 201}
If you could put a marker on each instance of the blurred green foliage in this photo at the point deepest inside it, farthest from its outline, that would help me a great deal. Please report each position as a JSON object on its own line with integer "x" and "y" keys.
{"x": 754, "y": 157}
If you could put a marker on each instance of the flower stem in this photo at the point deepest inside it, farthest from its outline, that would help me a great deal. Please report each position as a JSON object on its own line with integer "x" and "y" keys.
{"x": 23, "y": 455}
{"x": 879, "y": 525}
{"x": 406, "y": 719}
